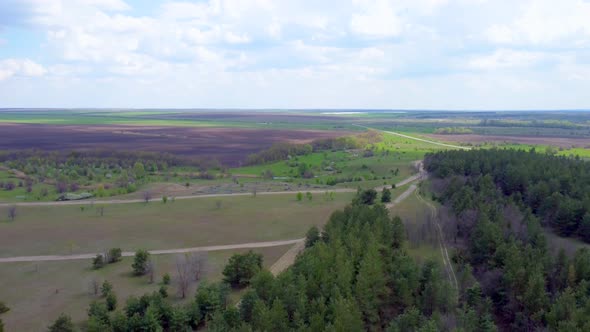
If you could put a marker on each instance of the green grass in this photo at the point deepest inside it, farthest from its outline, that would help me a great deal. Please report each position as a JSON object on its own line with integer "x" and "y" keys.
{"x": 38, "y": 292}
{"x": 132, "y": 118}
{"x": 400, "y": 144}
{"x": 184, "y": 223}
{"x": 371, "y": 171}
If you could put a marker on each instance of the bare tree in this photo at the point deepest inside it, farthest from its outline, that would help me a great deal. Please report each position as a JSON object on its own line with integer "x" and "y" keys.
{"x": 184, "y": 275}
{"x": 150, "y": 270}
{"x": 12, "y": 212}
{"x": 198, "y": 264}
{"x": 106, "y": 256}
{"x": 94, "y": 286}
{"x": 147, "y": 196}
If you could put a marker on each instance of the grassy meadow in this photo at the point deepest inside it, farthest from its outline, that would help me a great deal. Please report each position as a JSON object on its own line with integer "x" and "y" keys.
{"x": 184, "y": 223}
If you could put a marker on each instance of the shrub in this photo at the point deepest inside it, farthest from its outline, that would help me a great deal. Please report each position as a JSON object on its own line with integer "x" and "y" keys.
{"x": 111, "y": 301}
{"x": 106, "y": 288}
{"x": 3, "y": 308}
{"x": 98, "y": 261}
{"x": 140, "y": 262}
{"x": 163, "y": 291}
{"x": 166, "y": 279}
{"x": 62, "y": 324}
{"x": 312, "y": 236}
{"x": 241, "y": 268}
{"x": 386, "y": 196}
{"x": 115, "y": 255}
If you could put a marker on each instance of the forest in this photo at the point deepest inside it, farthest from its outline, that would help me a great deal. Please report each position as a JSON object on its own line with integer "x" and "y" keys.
{"x": 556, "y": 189}
{"x": 500, "y": 201}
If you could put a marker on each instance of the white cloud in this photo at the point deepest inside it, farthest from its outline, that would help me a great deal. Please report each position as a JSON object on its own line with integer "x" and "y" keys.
{"x": 505, "y": 58}
{"x": 329, "y": 53}
{"x": 545, "y": 22}
{"x": 20, "y": 67}
{"x": 376, "y": 18}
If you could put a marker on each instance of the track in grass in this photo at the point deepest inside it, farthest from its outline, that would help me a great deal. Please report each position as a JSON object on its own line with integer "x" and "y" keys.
{"x": 443, "y": 247}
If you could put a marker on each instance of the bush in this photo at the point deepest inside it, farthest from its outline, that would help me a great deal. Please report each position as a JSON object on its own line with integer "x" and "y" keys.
{"x": 3, "y": 308}
{"x": 140, "y": 262}
{"x": 62, "y": 324}
{"x": 163, "y": 291}
{"x": 98, "y": 262}
{"x": 166, "y": 279}
{"x": 111, "y": 301}
{"x": 312, "y": 236}
{"x": 386, "y": 196}
{"x": 366, "y": 197}
{"x": 106, "y": 288}
{"x": 241, "y": 268}
{"x": 114, "y": 255}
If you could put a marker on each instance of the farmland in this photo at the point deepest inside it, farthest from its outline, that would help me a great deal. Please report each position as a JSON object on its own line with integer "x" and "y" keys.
{"x": 229, "y": 146}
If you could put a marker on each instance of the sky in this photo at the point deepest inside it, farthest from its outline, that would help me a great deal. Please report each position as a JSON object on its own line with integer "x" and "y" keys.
{"x": 277, "y": 54}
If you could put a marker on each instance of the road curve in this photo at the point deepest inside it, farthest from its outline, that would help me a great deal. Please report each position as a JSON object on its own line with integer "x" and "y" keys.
{"x": 250, "y": 245}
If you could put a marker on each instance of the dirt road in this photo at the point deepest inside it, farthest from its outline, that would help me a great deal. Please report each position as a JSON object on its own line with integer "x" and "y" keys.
{"x": 251, "y": 245}
{"x": 401, "y": 197}
{"x": 419, "y": 139}
{"x": 288, "y": 258}
{"x": 159, "y": 199}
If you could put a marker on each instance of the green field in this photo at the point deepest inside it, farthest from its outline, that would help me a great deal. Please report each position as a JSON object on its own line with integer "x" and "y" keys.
{"x": 38, "y": 292}
{"x": 366, "y": 171}
{"x": 166, "y": 118}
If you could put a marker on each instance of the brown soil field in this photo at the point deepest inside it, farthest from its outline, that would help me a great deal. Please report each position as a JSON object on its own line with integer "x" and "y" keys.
{"x": 563, "y": 142}
{"x": 228, "y": 145}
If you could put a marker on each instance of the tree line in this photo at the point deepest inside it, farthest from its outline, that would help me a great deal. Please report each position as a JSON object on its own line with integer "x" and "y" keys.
{"x": 282, "y": 151}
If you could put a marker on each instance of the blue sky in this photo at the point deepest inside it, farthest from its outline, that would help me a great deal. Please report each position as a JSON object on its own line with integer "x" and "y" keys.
{"x": 391, "y": 54}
